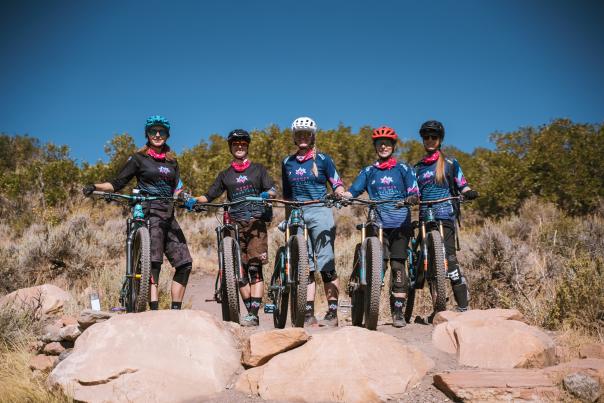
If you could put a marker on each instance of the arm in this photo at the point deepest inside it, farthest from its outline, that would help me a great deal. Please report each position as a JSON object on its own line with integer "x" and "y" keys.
{"x": 268, "y": 185}
{"x": 215, "y": 190}
{"x": 287, "y": 190}
{"x": 126, "y": 174}
{"x": 333, "y": 177}
{"x": 358, "y": 186}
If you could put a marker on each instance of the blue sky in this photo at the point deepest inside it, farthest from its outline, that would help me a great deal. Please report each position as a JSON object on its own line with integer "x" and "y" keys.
{"x": 77, "y": 72}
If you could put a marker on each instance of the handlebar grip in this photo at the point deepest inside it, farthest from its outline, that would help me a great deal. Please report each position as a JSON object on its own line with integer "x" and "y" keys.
{"x": 254, "y": 198}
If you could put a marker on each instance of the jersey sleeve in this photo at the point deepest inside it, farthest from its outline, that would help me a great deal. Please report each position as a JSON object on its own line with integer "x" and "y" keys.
{"x": 360, "y": 184}
{"x": 126, "y": 174}
{"x": 410, "y": 181}
{"x": 216, "y": 188}
{"x": 332, "y": 174}
{"x": 287, "y": 189}
{"x": 460, "y": 180}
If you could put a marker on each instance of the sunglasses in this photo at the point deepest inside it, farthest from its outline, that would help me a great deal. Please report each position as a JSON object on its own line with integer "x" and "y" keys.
{"x": 431, "y": 137}
{"x": 239, "y": 144}
{"x": 385, "y": 143}
{"x": 163, "y": 133}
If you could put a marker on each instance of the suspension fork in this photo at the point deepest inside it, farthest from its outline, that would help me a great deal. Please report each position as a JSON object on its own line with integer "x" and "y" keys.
{"x": 424, "y": 247}
{"x": 129, "y": 241}
{"x": 238, "y": 247}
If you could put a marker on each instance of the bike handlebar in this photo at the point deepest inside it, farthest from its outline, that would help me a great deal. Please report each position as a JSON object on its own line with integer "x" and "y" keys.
{"x": 444, "y": 199}
{"x": 109, "y": 196}
{"x": 288, "y": 202}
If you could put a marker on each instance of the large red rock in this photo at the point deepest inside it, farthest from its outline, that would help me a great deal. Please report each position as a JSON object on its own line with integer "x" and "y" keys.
{"x": 350, "y": 364}
{"x": 498, "y": 385}
{"x": 42, "y": 362}
{"x": 591, "y": 366}
{"x": 488, "y": 339}
{"x": 594, "y": 350}
{"x": 262, "y": 346}
{"x": 151, "y": 356}
{"x": 46, "y": 299}
{"x": 496, "y": 313}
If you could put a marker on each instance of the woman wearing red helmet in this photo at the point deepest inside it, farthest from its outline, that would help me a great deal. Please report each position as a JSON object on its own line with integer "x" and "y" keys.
{"x": 390, "y": 179}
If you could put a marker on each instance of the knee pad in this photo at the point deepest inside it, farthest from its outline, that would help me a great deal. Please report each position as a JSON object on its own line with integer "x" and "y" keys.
{"x": 329, "y": 276}
{"x": 155, "y": 269}
{"x": 255, "y": 273}
{"x": 245, "y": 280}
{"x": 181, "y": 275}
{"x": 399, "y": 277}
{"x": 453, "y": 271}
{"x": 311, "y": 277}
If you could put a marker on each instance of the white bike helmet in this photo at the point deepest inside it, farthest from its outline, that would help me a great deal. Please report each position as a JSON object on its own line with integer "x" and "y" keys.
{"x": 304, "y": 123}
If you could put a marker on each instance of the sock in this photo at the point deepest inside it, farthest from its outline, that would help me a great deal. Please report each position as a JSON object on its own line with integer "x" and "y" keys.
{"x": 248, "y": 304}
{"x": 154, "y": 305}
{"x": 176, "y": 305}
{"x": 255, "y": 305}
{"x": 398, "y": 304}
{"x": 332, "y": 306}
{"x": 310, "y": 308}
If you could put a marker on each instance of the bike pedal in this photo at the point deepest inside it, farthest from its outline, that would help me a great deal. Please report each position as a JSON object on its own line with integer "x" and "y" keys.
{"x": 269, "y": 308}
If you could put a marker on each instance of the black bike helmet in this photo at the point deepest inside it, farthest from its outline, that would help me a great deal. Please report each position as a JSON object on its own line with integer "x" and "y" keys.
{"x": 433, "y": 126}
{"x": 239, "y": 134}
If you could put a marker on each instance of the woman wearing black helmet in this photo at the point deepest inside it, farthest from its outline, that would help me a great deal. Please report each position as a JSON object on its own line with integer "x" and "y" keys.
{"x": 240, "y": 180}
{"x": 440, "y": 177}
{"x": 157, "y": 174}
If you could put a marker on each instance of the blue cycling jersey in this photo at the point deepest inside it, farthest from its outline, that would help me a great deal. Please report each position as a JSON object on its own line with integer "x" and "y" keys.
{"x": 430, "y": 190}
{"x": 397, "y": 182}
{"x": 299, "y": 182}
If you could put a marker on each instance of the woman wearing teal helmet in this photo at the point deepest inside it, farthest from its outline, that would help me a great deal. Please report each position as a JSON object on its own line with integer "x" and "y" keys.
{"x": 157, "y": 174}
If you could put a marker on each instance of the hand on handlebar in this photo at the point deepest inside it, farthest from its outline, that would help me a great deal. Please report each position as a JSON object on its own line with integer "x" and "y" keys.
{"x": 88, "y": 189}
{"x": 470, "y": 194}
{"x": 265, "y": 195}
{"x": 190, "y": 203}
{"x": 411, "y": 200}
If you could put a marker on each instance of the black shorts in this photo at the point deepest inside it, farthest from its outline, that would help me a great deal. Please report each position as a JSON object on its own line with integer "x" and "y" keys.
{"x": 395, "y": 241}
{"x": 167, "y": 237}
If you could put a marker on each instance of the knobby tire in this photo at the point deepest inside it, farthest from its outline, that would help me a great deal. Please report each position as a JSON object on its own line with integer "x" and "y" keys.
{"x": 301, "y": 267}
{"x": 141, "y": 254}
{"x": 230, "y": 290}
{"x": 439, "y": 274}
{"x": 373, "y": 264}
{"x": 280, "y": 295}
{"x": 357, "y": 297}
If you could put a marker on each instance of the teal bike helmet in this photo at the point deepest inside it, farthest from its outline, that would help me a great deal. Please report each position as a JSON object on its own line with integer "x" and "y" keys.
{"x": 157, "y": 120}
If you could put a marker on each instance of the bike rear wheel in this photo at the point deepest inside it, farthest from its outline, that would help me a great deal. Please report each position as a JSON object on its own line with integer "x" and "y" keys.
{"x": 141, "y": 259}
{"x": 301, "y": 269}
{"x": 374, "y": 266}
{"x": 280, "y": 292}
{"x": 229, "y": 286}
{"x": 357, "y": 295}
{"x": 438, "y": 277}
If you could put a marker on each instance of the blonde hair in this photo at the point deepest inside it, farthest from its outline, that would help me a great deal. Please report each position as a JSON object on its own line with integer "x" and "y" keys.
{"x": 315, "y": 170}
{"x": 170, "y": 155}
{"x": 440, "y": 169}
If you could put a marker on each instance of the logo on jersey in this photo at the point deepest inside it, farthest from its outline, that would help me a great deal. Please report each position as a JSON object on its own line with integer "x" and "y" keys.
{"x": 241, "y": 179}
{"x": 428, "y": 175}
{"x": 300, "y": 171}
{"x": 164, "y": 170}
{"x": 386, "y": 180}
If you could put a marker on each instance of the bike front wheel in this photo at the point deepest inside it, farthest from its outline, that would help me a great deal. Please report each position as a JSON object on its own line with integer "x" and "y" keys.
{"x": 357, "y": 295}
{"x": 279, "y": 290}
{"x": 438, "y": 276}
{"x": 301, "y": 270}
{"x": 229, "y": 286}
{"x": 141, "y": 281}
{"x": 410, "y": 268}
{"x": 374, "y": 266}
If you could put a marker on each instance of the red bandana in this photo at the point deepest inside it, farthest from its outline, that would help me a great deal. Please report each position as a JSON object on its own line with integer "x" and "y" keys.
{"x": 240, "y": 166}
{"x": 155, "y": 155}
{"x": 388, "y": 164}
{"x": 431, "y": 158}
{"x": 305, "y": 157}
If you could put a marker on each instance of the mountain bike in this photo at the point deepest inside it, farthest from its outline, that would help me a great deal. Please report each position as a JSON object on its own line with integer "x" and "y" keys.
{"x": 134, "y": 294}
{"x": 292, "y": 266}
{"x": 367, "y": 277}
{"x": 230, "y": 267}
{"x": 428, "y": 252}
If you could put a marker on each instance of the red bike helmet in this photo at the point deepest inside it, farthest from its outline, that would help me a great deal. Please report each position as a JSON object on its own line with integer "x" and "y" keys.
{"x": 384, "y": 132}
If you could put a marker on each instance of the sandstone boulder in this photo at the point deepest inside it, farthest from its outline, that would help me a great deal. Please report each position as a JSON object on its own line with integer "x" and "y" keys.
{"x": 261, "y": 347}
{"x": 150, "y": 356}
{"x": 350, "y": 364}
{"x": 594, "y": 350}
{"x": 70, "y": 332}
{"x": 487, "y": 339}
{"x": 42, "y": 362}
{"x": 45, "y": 299}
{"x": 54, "y": 348}
{"x": 593, "y": 367}
{"x": 496, "y": 313}
{"x": 582, "y": 386}
{"x": 88, "y": 317}
{"x": 498, "y": 385}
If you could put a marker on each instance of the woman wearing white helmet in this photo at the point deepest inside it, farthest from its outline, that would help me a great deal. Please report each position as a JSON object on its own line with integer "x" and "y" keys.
{"x": 305, "y": 176}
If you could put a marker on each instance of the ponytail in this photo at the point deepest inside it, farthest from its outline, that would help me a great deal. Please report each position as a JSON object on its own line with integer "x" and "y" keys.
{"x": 315, "y": 170}
{"x": 440, "y": 169}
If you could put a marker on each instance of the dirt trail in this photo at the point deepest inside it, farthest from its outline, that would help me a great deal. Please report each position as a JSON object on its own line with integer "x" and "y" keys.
{"x": 201, "y": 287}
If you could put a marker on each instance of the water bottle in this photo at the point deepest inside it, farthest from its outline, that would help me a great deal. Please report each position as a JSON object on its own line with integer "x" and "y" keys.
{"x": 95, "y": 303}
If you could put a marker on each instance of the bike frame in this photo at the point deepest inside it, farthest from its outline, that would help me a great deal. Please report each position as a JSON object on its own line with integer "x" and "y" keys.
{"x": 373, "y": 225}
{"x": 227, "y": 227}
